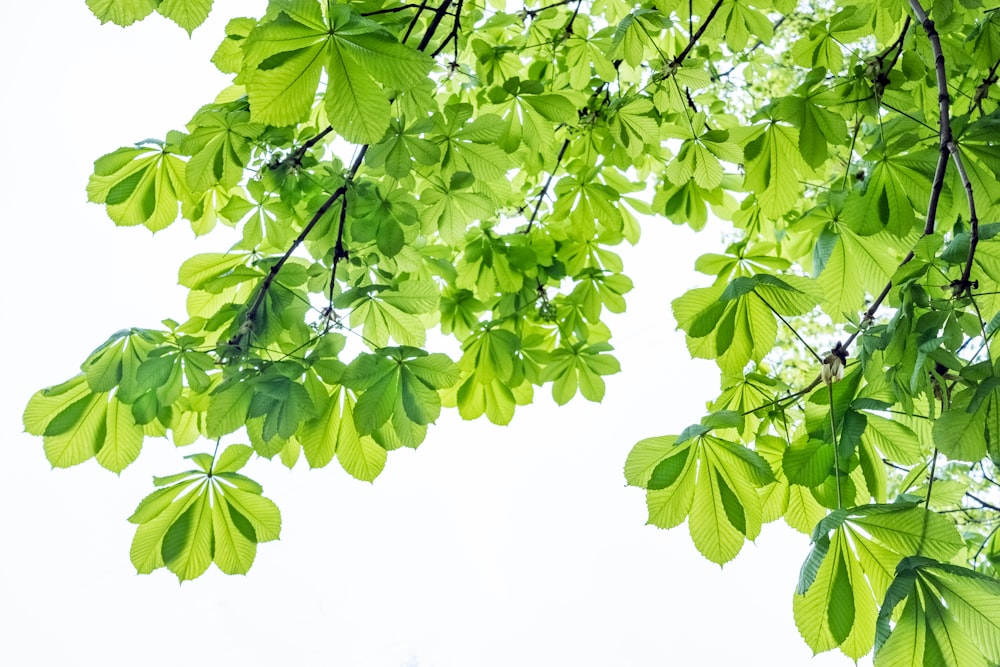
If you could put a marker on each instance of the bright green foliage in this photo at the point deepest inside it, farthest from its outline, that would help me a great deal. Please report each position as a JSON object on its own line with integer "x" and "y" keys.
{"x": 391, "y": 169}
{"x": 197, "y": 517}
{"x": 951, "y": 616}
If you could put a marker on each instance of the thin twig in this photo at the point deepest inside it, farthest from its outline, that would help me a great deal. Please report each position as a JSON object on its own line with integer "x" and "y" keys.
{"x": 251, "y": 312}
{"x": 790, "y": 327}
{"x": 697, "y": 35}
{"x": 413, "y": 21}
{"x": 982, "y": 502}
{"x": 439, "y": 15}
{"x": 545, "y": 188}
{"x": 453, "y": 33}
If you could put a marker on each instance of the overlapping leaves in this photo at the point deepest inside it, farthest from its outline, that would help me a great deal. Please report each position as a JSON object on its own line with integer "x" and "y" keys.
{"x": 486, "y": 187}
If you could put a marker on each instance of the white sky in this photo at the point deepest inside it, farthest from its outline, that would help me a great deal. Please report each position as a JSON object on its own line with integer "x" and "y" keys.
{"x": 488, "y": 547}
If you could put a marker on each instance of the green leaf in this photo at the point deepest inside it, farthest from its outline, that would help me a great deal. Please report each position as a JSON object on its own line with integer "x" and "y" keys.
{"x": 232, "y": 458}
{"x": 644, "y": 457}
{"x": 909, "y": 530}
{"x": 69, "y": 444}
{"x": 140, "y": 186}
{"x": 156, "y": 514}
{"x": 960, "y": 435}
{"x": 228, "y": 408}
{"x": 334, "y": 433}
{"x": 808, "y": 463}
{"x": 47, "y": 404}
{"x": 234, "y": 549}
{"x": 187, "y": 543}
{"x": 123, "y": 438}
{"x": 188, "y": 14}
{"x": 121, "y": 12}
{"x": 261, "y": 512}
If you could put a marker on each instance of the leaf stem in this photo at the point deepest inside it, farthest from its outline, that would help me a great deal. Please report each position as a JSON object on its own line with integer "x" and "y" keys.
{"x": 790, "y": 328}
{"x": 985, "y": 542}
{"x": 836, "y": 448}
{"x": 930, "y": 484}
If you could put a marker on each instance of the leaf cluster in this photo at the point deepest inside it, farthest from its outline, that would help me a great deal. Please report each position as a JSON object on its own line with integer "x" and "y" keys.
{"x": 394, "y": 169}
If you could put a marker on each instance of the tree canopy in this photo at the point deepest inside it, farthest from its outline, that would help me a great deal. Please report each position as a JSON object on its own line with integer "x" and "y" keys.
{"x": 427, "y": 197}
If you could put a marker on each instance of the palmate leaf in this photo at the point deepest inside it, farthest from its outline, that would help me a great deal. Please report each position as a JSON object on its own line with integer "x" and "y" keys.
{"x": 711, "y": 482}
{"x": 849, "y": 570}
{"x": 735, "y": 324}
{"x": 140, "y": 186}
{"x": 951, "y": 617}
{"x": 204, "y": 515}
{"x": 219, "y": 146}
{"x": 285, "y": 58}
{"x": 394, "y": 397}
{"x": 817, "y": 127}
{"x": 402, "y": 147}
{"x": 579, "y": 368}
{"x": 453, "y": 206}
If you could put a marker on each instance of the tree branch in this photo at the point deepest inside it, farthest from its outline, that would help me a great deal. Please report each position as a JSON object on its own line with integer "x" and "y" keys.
{"x": 413, "y": 21}
{"x": 948, "y": 147}
{"x": 339, "y": 252}
{"x": 545, "y": 188}
{"x": 250, "y": 315}
{"x": 679, "y": 58}
{"x": 439, "y": 15}
{"x": 790, "y": 327}
{"x": 453, "y": 33}
{"x": 948, "y": 143}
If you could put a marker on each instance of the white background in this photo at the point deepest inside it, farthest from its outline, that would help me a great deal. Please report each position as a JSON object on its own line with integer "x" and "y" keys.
{"x": 487, "y": 547}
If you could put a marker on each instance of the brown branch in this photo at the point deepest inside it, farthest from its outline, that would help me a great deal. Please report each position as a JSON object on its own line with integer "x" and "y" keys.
{"x": 985, "y": 542}
{"x": 983, "y": 503}
{"x": 340, "y": 252}
{"x": 453, "y": 33}
{"x": 948, "y": 143}
{"x": 531, "y": 13}
{"x": 439, "y": 15}
{"x": 983, "y": 89}
{"x": 413, "y": 21}
{"x": 568, "y": 30}
{"x": 679, "y": 58}
{"x": 948, "y": 147}
{"x": 251, "y": 312}
{"x": 296, "y": 157}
